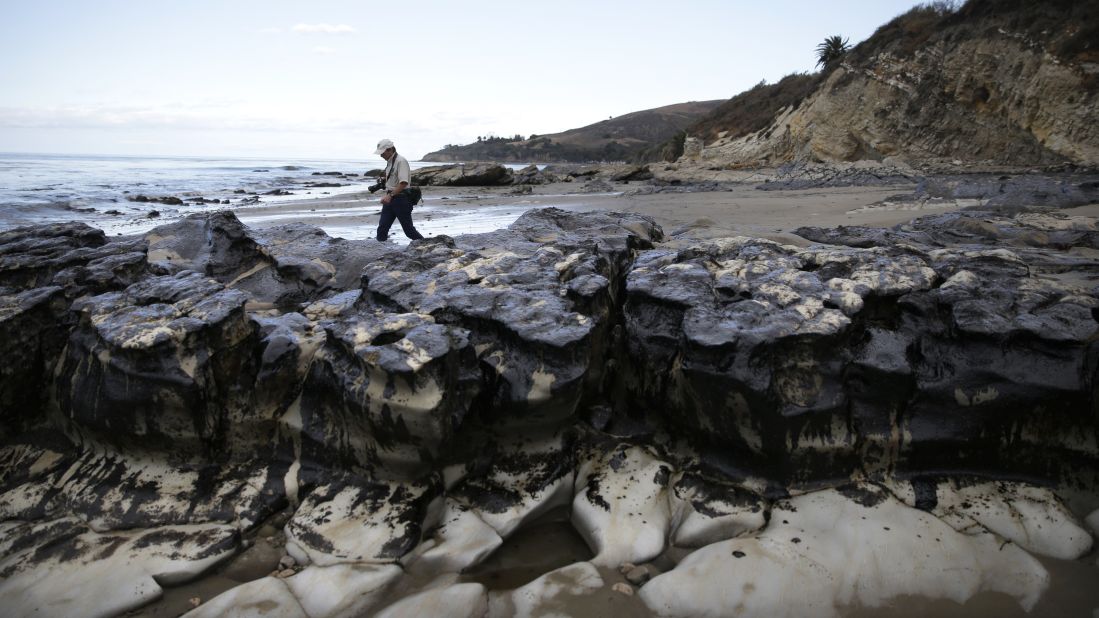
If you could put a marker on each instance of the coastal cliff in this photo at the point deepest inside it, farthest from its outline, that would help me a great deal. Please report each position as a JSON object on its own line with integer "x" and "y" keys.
{"x": 1001, "y": 83}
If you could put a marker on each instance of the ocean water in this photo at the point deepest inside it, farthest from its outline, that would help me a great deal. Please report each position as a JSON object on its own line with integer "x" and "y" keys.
{"x": 102, "y": 190}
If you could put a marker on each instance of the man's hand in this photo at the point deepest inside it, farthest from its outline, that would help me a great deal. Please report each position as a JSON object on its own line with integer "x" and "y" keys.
{"x": 387, "y": 198}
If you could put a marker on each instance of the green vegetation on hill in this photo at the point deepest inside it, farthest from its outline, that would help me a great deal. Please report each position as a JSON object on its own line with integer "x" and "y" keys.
{"x": 754, "y": 109}
{"x": 748, "y": 112}
{"x": 615, "y": 139}
{"x": 535, "y": 149}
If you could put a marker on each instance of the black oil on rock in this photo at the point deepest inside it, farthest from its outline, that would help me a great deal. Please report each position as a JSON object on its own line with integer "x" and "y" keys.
{"x": 163, "y": 395}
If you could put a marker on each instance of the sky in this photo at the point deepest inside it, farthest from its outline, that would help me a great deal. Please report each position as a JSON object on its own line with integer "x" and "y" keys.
{"x": 329, "y": 78}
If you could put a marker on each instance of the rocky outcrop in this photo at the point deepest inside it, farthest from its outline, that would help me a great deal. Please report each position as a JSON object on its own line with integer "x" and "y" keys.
{"x": 30, "y": 342}
{"x": 607, "y": 172}
{"x": 1006, "y": 193}
{"x": 463, "y": 175}
{"x": 537, "y": 300}
{"x": 531, "y": 175}
{"x": 800, "y": 176}
{"x": 976, "y": 87}
{"x": 401, "y": 413}
{"x": 394, "y": 387}
{"x": 164, "y": 362}
{"x": 906, "y": 355}
{"x": 281, "y": 266}
{"x": 42, "y": 269}
{"x": 72, "y": 255}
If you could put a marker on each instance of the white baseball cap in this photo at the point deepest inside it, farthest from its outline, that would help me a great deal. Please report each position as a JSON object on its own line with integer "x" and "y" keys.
{"x": 384, "y": 145}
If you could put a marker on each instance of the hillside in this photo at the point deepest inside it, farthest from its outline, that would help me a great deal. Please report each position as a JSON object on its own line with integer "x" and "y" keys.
{"x": 995, "y": 81}
{"x": 615, "y": 139}
{"x": 747, "y": 112}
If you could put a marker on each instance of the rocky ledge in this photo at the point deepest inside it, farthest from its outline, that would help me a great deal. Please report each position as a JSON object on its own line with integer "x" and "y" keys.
{"x": 886, "y": 413}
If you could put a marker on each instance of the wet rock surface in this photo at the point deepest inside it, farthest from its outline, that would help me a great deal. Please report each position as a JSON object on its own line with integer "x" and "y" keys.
{"x": 538, "y": 301}
{"x": 387, "y": 391}
{"x": 72, "y": 255}
{"x": 920, "y": 351}
{"x": 165, "y": 362}
{"x": 30, "y": 342}
{"x": 374, "y": 422}
{"x": 1014, "y": 193}
{"x": 282, "y": 266}
{"x": 796, "y": 176}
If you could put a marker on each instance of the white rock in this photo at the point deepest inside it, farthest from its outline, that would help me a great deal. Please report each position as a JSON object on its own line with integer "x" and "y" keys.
{"x": 623, "y": 588}
{"x": 462, "y": 540}
{"x": 836, "y": 551}
{"x": 296, "y": 552}
{"x": 762, "y": 586}
{"x": 457, "y": 601}
{"x": 704, "y": 512}
{"x": 1032, "y": 517}
{"x": 1093, "y": 521}
{"x": 342, "y": 590}
{"x": 30, "y": 534}
{"x": 621, "y": 506}
{"x": 111, "y": 490}
{"x": 541, "y": 596}
{"x": 93, "y": 574}
{"x": 263, "y": 598}
{"x": 533, "y": 505}
{"x": 529, "y": 468}
{"x": 363, "y": 521}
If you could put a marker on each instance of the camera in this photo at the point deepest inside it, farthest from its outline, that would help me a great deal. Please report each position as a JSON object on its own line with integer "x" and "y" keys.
{"x": 379, "y": 180}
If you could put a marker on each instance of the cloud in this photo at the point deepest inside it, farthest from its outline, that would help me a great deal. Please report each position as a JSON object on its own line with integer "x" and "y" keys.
{"x": 213, "y": 117}
{"x": 323, "y": 29}
{"x": 324, "y": 51}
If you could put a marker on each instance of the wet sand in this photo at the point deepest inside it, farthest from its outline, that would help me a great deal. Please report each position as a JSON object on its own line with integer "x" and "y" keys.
{"x": 742, "y": 210}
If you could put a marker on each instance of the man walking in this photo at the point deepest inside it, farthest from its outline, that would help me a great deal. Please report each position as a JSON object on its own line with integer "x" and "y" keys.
{"x": 395, "y": 203}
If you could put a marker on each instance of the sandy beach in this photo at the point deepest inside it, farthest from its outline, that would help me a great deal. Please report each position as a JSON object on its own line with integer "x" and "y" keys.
{"x": 742, "y": 210}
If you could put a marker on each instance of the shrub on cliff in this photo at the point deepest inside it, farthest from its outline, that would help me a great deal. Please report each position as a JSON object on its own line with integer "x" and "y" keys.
{"x": 905, "y": 33}
{"x": 831, "y": 50}
{"x": 1068, "y": 29}
{"x": 747, "y": 112}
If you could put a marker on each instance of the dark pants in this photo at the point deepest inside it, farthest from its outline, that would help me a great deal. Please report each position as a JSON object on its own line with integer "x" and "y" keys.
{"x": 398, "y": 208}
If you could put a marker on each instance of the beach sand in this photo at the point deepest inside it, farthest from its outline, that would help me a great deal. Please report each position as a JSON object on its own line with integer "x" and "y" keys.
{"x": 744, "y": 210}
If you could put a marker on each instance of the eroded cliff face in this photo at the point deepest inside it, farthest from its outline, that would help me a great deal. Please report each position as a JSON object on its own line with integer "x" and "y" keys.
{"x": 986, "y": 96}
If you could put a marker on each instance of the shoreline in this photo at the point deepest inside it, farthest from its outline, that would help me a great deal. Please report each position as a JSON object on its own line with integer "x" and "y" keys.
{"x": 686, "y": 199}
{"x": 742, "y": 210}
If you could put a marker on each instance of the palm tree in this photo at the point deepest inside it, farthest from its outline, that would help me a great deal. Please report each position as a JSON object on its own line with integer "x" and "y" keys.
{"x": 833, "y": 48}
